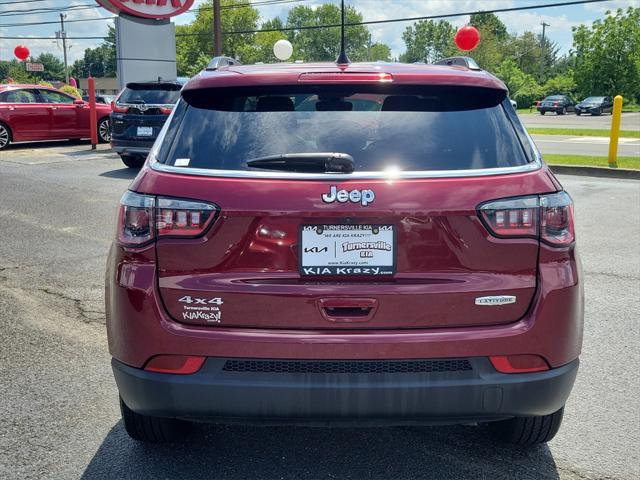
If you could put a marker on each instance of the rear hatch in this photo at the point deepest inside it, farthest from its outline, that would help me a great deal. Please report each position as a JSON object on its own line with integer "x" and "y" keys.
{"x": 141, "y": 109}
{"x": 397, "y": 243}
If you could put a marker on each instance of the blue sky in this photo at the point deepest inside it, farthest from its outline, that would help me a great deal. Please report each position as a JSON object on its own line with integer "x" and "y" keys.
{"x": 561, "y": 19}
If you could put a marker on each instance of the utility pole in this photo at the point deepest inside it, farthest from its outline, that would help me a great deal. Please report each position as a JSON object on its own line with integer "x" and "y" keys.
{"x": 544, "y": 26}
{"x": 63, "y": 35}
{"x": 217, "y": 29}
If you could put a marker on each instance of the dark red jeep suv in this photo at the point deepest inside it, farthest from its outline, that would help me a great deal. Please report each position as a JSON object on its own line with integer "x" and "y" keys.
{"x": 367, "y": 243}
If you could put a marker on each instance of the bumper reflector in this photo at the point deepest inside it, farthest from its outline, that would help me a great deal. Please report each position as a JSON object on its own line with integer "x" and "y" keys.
{"x": 519, "y": 363}
{"x": 175, "y": 364}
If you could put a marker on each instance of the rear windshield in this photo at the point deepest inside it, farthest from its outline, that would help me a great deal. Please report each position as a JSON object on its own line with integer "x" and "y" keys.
{"x": 410, "y": 130}
{"x": 160, "y": 94}
{"x": 555, "y": 97}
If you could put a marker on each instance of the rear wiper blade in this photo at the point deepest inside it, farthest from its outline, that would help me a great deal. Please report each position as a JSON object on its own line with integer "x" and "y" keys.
{"x": 321, "y": 162}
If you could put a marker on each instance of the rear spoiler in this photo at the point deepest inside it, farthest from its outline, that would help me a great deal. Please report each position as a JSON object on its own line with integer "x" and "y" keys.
{"x": 217, "y": 62}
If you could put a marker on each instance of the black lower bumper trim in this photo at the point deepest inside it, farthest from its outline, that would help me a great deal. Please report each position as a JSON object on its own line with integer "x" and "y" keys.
{"x": 463, "y": 396}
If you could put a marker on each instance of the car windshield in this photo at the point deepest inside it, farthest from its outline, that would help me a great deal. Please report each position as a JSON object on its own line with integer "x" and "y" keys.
{"x": 412, "y": 131}
{"x": 593, "y": 99}
{"x": 158, "y": 94}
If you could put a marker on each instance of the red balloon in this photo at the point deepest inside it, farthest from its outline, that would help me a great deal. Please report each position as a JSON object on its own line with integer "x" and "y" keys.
{"x": 467, "y": 38}
{"x": 21, "y": 52}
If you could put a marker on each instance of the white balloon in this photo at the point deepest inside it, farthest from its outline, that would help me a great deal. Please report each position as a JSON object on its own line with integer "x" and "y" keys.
{"x": 283, "y": 49}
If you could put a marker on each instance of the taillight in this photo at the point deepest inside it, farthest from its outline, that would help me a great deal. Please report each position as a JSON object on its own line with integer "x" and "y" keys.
{"x": 135, "y": 219}
{"x": 555, "y": 104}
{"x": 165, "y": 110}
{"x": 183, "y": 218}
{"x": 547, "y": 217}
{"x": 142, "y": 218}
{"x": 118, "y": 109}
{"x": 513, "y": 217}
{"x": 556, "y": 219}
{"x": 351, "y": 77}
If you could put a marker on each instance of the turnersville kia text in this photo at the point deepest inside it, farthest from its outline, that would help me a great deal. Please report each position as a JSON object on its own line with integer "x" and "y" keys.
{"x": 365, "y": 243}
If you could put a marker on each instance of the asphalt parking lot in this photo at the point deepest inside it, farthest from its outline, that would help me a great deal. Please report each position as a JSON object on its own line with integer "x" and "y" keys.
{"x": 629, "y": 121}
{"x": 59, "y": 411}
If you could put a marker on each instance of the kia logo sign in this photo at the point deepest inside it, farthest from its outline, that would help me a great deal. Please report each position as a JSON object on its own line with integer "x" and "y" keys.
{"x": 158, "y": 9}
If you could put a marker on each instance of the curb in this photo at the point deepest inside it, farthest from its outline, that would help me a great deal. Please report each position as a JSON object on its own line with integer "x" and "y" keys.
{"x": 605, "y": 172}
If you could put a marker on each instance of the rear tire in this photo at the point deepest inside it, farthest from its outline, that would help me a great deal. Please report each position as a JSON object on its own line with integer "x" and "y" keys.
{"x": 132, "y": 161}
{"x": 152, "y": 429}
{"x": 578, "y": 113}
{"x": 104, "y": 130}
{"x": 5, "y": 136}
{"x": 527, "y": 431}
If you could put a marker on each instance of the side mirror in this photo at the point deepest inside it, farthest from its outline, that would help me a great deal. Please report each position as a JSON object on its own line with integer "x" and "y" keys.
{"x": 78, "y": 101}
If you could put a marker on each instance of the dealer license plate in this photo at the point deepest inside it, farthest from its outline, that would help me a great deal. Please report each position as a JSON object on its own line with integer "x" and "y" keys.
{"x": 145, "y": 131}
{"x": 347, "y": 250}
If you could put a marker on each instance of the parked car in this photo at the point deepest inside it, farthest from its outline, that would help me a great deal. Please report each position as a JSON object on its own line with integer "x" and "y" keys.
{"x": 560, "y": 104}
{"x": 139, "y": 112}
{"x": 34, "y": 112}
{"x": 595, "y": 106}
{"x": 275, "y": 262}
{"x": 105, "y": 99}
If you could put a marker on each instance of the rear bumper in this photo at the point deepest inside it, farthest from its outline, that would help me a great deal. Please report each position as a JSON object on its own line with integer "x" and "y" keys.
{"x": 132, "y": 147}
{"x": 224, "y": 395}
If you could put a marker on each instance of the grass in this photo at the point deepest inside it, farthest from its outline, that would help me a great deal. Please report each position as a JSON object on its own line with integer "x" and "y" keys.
{"x": 581, "y": 132}
{"x": 560, "y": 159}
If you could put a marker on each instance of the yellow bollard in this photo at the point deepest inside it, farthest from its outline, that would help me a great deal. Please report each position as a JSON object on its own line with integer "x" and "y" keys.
{"x": 615, "y": 131}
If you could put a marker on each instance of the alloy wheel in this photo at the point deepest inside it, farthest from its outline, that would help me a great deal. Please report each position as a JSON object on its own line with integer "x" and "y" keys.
{"x": 104, "y": 130}
{"x": 4, "y": 136}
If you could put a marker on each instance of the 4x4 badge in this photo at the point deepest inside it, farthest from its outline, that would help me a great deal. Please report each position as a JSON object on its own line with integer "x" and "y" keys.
{"x": 496, "y": 300}
{"x": 363, "y": 197}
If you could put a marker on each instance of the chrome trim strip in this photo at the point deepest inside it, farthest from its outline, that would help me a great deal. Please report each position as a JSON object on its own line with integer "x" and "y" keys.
{"x": 205, "y": 172}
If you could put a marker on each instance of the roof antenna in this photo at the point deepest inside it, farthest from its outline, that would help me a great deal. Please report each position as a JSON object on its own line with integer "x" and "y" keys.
{"x": 342, "y": 57}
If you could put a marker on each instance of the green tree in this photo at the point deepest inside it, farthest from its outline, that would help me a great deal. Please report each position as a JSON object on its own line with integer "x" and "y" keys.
{"x": 607, "y": 55}
{"x": 53, "y": 67}
{"x": 561, "y": 84}
{"x": 490, "y": 23}
{"x": 194, "y": 44}
{"x": 523, "y": 87}
{"x": 262, "y": 48}
{"x": 15, "y": 71}
{"x": 493, "y": 40}
{"x": 99, "y": 61}
{"x": 379, "y": 51}
{"x": 428, "y": 41}
{"x": 526, "y": 49}
{"x": 323, "y": 44}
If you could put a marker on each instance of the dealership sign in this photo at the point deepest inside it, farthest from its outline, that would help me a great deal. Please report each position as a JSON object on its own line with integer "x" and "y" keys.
{"x": 158, "y": 9}
{"x": 34, "y": 67}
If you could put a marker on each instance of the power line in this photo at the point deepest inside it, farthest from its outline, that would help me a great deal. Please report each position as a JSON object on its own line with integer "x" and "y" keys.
{"x": 335, "y": 25}
{"x": 259, "y": 3}
{"x": 413, "y": 19}
{"x": 29, "y": 24}
{"x": 42, "y": 11}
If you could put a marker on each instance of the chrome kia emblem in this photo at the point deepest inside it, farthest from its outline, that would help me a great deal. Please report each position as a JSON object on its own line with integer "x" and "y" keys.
{"x": 496, "y": 300}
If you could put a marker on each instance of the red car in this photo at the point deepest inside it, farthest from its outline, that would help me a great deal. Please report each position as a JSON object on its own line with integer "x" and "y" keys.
{"x": 408, "y": 259}
{"x": 34, "y": 112}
